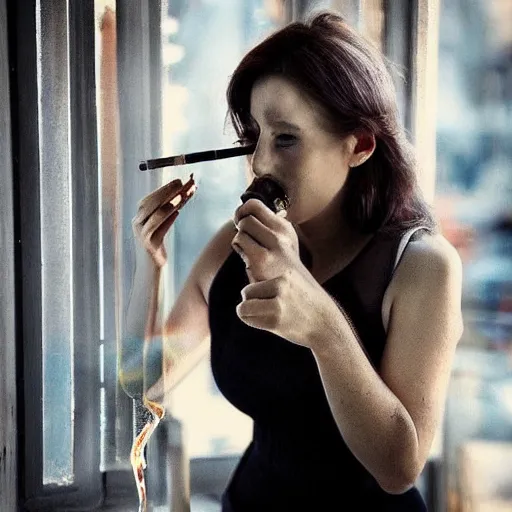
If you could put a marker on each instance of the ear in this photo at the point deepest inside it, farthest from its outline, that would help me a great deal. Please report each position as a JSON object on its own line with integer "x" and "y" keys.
{"x": 362, "y": 149}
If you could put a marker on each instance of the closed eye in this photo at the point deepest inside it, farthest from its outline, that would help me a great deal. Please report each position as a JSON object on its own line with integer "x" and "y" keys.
{"x": 285, "y": 140}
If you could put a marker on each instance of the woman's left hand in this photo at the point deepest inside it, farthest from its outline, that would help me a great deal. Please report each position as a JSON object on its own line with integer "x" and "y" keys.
{"x": 282, "y": 297}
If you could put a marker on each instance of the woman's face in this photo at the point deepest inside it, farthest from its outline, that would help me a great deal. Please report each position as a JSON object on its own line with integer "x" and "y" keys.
{"x": 295, "y": 146}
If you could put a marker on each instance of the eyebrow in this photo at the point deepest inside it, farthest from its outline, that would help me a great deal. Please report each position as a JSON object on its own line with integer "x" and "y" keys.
{"x": 273, "y": 120}
{"x": 279, "y": 123}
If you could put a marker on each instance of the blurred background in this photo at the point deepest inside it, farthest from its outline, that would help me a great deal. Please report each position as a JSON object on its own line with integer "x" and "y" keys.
{"x": 116, "y": 82}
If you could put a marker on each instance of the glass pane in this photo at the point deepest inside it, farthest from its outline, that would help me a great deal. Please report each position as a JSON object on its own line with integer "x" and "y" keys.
{"x": 116, "y": 406}
{"x": 197, "y": 71}
{"x": 56, "y": 268}
{"x": 349, "y": 9}
{"x": 474, "y": 193}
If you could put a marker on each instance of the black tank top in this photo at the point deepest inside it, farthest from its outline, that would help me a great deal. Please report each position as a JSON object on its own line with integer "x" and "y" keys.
{"x": 297, "y": 459}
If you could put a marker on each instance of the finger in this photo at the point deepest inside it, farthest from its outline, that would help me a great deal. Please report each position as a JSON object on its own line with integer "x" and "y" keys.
{"x": 260, "y": 313}
{"x": 250, "y": 275}
{"x": 175, "y": 193}
{"x": 263, "y": 235}
{"x": 255, "y": 307}
{"x": 268, "y": 289}
{"x": 279, "y": 232}
{"x": 167, "y": 191}
{"x": 187, "y": 191}
{"x": 158, "y": 220}
{"x": 159, "y": 234}
{"x": 153, "y": 200}
{"x": 249, "y": 249}
{"x": 264, "y": 214}
{"x": 180, "y": 199}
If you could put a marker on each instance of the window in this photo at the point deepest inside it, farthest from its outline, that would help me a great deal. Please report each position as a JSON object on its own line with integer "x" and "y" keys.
{"x": 195, "y": 78}
{"x": 473, "y": 201}
{"x": 99, "y": 86}
{"x": 56, "y": 176}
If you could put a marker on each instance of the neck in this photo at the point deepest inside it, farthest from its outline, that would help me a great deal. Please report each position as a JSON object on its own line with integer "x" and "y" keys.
{"x": 328, "y": 232}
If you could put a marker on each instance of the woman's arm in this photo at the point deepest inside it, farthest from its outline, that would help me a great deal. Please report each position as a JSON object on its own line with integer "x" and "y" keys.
{"x": 156, "y": 355}
{"x": 149, "y": 352}
{"x": 185, "y": 334}
{"x": 388, "y": 420}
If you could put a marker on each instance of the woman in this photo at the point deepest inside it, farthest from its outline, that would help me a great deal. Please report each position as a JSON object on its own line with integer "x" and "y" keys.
{"x": 343, "y": 365}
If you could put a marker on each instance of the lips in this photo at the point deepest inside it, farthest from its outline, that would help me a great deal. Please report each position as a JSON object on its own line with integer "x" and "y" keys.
{"x": 269, "y": 191}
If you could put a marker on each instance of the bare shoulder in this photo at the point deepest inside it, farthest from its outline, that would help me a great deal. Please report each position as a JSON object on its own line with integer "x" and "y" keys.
{"x": 212, "y": 257}
{"x": 430, "y": 257}
{"x": 430, "y": 272}
{"x": 430, "y": 265}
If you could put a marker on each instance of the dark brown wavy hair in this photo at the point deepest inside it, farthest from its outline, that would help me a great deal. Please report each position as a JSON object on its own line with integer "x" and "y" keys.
{"x": 339, "y": 69}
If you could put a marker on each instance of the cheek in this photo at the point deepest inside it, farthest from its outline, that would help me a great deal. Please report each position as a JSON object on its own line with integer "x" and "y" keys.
{"x": 293, "y": 169}
{"x": 317, "y": 180}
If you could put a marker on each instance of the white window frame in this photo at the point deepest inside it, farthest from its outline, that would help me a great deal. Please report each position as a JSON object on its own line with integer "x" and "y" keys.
{"x": 8, "y": 362}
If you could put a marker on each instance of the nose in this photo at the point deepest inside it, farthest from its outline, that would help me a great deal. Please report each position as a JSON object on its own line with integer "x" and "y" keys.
{"x": 261, "y": 159}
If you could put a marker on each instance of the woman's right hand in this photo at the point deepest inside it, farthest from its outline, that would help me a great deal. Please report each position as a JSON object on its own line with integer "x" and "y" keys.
{"x": 156, "y": 213}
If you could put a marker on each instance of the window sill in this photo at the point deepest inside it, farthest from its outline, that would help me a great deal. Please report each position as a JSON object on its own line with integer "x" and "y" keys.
{"x": 198, "y": 503}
